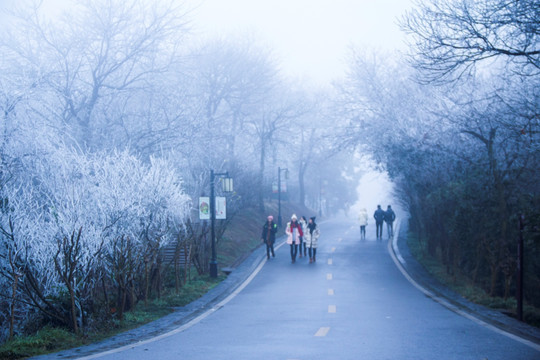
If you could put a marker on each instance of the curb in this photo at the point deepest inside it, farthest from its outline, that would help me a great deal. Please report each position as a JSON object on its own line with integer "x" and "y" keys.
{"x": 181, "y": 319}
{"x": 426, "y": 283}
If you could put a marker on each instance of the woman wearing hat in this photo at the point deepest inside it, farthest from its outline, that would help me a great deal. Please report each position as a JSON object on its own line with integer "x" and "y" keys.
{"x": 269, "y": 235}
{"x": 311, "y": 239}
{"x": 293, "y": 231}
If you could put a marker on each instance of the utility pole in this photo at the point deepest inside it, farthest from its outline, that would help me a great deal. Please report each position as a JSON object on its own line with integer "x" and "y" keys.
{"x": 279, "y": 192}
{"x": 519, "y": 295}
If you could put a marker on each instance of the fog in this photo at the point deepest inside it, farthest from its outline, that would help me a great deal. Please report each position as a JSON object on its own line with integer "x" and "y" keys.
{"x": 115, "y": 113}
{"x": 311, "y": 39}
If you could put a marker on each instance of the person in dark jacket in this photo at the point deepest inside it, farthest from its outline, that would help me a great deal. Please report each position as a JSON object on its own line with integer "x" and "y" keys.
{"x": 379, "y": 218}
{"x": 389, "y": 217}
{"x": 311, "y": 237}
{"x": 268, "y": 236}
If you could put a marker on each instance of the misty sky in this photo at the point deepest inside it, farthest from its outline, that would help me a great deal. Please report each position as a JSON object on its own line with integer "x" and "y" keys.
{"x": 310, "y": 37}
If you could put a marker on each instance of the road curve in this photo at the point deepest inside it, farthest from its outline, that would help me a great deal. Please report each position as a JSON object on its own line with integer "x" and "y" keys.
{"x": 353, "y": 303}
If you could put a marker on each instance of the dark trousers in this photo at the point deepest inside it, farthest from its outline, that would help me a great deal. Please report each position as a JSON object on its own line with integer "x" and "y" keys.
{"x": 312, "y": 253}
{"x": 363, "y": 232}
{"x": 269, "y": 249}
{"x": 390, "y": 228}
{"x": 294, "y": 251}
{"x": 379, "y": 229}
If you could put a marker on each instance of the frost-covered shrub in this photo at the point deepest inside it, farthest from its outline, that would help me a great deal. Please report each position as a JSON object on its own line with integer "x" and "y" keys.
{"x": 63, "y": 219}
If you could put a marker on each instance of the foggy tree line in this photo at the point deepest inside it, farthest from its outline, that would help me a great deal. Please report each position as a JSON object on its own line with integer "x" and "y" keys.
{"x": 456, "y": 125}
{"x": 113, "y": 115}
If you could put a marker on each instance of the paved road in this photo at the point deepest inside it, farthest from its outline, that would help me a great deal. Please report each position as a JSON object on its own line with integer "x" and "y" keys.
{"x": 353, "y": 303}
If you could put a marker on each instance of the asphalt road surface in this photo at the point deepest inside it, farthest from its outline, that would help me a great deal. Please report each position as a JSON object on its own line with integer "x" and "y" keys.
{"x": 353, "y": 303}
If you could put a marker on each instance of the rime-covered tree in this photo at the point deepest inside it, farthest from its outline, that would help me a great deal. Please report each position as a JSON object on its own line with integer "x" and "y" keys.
{"x": 454, "y": 38}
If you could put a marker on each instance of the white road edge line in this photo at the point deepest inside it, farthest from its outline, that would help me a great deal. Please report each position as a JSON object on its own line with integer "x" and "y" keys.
{"x": 395, "y": 255}
{"x": 188, "y": 324}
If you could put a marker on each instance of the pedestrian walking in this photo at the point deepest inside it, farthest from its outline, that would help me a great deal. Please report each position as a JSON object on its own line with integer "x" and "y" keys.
{"x": 303, "y": 222}
{"x": 379, "y": 218}
{"x": 363, "y": 221}
{"x": 293, "y": 231}
{"x": 268, "y": 235}
{"x": 389, "y": 217}
{"x": 312, "y": 239}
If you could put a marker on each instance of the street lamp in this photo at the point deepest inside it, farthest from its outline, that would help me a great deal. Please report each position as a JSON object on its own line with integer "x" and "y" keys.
{"x": 227, "y": 187}
{"x": 279, "y": 191}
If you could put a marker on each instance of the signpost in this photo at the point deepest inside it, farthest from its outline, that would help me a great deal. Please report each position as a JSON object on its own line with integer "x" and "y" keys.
{"x": 227, "y": 187}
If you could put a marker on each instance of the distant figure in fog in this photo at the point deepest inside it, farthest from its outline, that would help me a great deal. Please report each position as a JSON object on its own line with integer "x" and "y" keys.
{"x": 268, "y": 235}
{"x": 363, "y": 221}
{"x": 389, "y": 217}
{"x": 379, "y": 218}
{"x": 293, "y": 231}
{"x": 311, "y": 239}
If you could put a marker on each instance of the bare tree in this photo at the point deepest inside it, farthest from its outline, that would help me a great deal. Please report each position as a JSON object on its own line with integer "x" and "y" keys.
{"x": 90, "y": 72}
{"x": 235, "y": 78}
{"x": 453, "y": 38}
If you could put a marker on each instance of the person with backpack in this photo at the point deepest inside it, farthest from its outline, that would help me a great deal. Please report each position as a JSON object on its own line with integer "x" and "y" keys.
{"x": 311, "y": 239}
{"x": 294, "y": 232}
{"x": 389, "y": 217}
{"x": 268, "y": 235}
{"x": 379, "y": 218}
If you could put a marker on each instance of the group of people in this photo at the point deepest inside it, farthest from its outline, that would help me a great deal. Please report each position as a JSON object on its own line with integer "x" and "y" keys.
{"x": 302, "y": 237}
{"x": 380, "y": 217}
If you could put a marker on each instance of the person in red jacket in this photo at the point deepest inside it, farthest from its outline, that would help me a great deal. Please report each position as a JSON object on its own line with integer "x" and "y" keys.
{"x": 294, "y": 232}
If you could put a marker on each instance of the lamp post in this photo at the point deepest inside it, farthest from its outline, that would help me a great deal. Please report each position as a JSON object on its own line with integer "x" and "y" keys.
{"x": 227, "y": 187}
{"x": 279, "y": 191}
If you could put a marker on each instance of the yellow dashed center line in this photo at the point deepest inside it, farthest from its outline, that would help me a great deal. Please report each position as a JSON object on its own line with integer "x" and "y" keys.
{"x": 330, "y": 292}
{"x": 322, "y": 331}
{"x": 328, "y": 276}
{"x": 333, "y": 249}
{"x": 332, "y": 309}
{"x": 330, "y": 261}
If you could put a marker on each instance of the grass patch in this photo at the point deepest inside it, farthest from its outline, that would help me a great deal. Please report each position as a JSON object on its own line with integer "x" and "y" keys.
{"x": 462, "y": 285}
{"x": 50, "y": 339}
{"x": 44, "y": 341}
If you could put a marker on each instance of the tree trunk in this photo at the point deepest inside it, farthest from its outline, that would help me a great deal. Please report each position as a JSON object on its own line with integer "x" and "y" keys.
{"x": 12, "y": 306}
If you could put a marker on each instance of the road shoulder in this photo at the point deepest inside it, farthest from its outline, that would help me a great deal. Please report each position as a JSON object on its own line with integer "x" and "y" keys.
{"x": 456, "y": 302}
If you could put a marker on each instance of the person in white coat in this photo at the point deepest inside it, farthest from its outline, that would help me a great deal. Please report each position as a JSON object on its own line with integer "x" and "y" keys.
{"x": 303, "y": 223}
{"x": 311, "y": 238}
{"x": 363, "y": 221}
{"x": 294, "y": 232}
